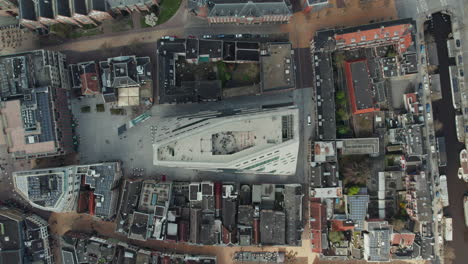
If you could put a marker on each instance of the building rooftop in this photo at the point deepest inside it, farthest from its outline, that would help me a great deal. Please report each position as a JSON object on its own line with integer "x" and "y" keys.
{"x": 102, "y": 178}
{"x": 357, "y": 209}
{"x": 272, "y": 227}
{"x": 139, "y": 227}
{"x": 293, "y": 206}
{"x": 23, "y": 238}
{"x": 325, "y": 96}
{"x": 328, "y": 192}
{"x": 210, "y": 48}
{"x": 377, "y": 241}
{"x": 359, "y": 86}
{"x": 324, "y": 151}
{"x": 277, "y": 67}
{"x": 48, "y": 189}
{"x": 128, "y": 204}
{"x": 85, "y": 75}
{"x": 154, "y": 195}
{"x": 29, "y": 124}
{"x": 244, "y": 8}
{"x": 225, "y": 141}
{"x": 359, "y": 146}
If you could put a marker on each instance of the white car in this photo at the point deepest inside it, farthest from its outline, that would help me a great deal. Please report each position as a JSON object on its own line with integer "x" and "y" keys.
{"x": 238, "y": 35}
{"x": 206, "y": 36}
{"x": 309, "y": 120}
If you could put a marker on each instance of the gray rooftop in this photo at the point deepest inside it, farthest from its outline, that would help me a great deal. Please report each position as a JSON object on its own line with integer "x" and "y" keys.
{"x": 103, "y": 178}
{"x": 293, "y": 207}
{"x": 377, "y": 241}
{"x": 272, "y": 227}
{"x": 361, "y": 85}
{"x": 252, "y": 8}
{"x": 357, "y": 208}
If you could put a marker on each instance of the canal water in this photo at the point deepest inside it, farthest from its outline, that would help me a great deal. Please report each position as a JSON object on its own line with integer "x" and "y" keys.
{"x": 445, "y": 113}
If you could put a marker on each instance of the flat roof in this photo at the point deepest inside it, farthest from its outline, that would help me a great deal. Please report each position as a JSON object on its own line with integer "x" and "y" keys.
{"x": 10, "y": 239}
{"x": 103, "y": 178}
{"x": 277, "y": 67}
{"x": 227, "y": 140}
{"x": 45, "y": 188}
{"x": 360, "y": 146}
{"x": 272, "y": 227}
{"x": 325, "y": 96}
{"x": 359, "y": 86}
{"x": 17, "y": 136}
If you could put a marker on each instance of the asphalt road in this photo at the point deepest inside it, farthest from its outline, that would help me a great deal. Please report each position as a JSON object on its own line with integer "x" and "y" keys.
{"x": 304, "y": 73}
{"x": 445, "y": 113}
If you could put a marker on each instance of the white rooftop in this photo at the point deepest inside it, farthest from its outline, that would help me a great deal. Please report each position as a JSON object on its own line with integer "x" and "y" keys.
{"x": 244, "y": 141}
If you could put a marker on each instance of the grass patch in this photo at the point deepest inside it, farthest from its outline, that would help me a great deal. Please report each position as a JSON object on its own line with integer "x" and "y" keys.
{"x": 223, "y": 72}
{"x": 167, "y": 9}
{"x": 85, "y": 109}
{"x": 117, "y": 111}
{"x": 100, "y": 108}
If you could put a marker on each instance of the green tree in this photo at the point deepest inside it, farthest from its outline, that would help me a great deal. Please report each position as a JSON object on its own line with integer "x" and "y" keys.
{"x": 335, "y": 236}
{"x": 342, "y": 114}
{"x": 353, "y": 190}
{"x": 343, "y": 130}
{"x": 339, "y": 58}
{"x": 340, "y": 95}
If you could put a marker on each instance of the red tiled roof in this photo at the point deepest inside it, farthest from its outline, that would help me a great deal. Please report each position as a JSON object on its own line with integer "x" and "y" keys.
{"x": 256, "y": 231}
{"x": 91, "y": 204}
{"x": 317, "y": 215}
{"x": 400, "y": 33}
{"x": 316, "y": 241}
{"x": 405, "y": 239}
{"x": 89, "y": 83}
{"x": 339, "y": 225}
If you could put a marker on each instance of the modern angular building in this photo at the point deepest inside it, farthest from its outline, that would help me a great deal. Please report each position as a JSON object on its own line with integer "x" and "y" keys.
{"x": 57, "y": 189}
{"x": 242, "y": 11}
{"x": 259, "y": 141}
{"x": 36, "y": 117}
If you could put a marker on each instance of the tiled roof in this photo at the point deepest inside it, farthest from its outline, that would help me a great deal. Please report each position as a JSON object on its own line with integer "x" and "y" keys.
{"x": 401, "y": 32}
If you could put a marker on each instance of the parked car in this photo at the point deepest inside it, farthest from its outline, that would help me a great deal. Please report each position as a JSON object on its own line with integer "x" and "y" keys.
{"x": 206, "y": 36}
{"x": 238, "y": 35}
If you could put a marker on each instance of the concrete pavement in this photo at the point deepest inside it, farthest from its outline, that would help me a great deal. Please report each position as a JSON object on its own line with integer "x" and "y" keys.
{"x": 135, "y": 148}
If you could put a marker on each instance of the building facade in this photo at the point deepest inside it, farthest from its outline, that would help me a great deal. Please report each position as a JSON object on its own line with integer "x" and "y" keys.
{"x": 58, "y": 189}
{"x": 242, "y": 11}
{"x": 42, "y": 13}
